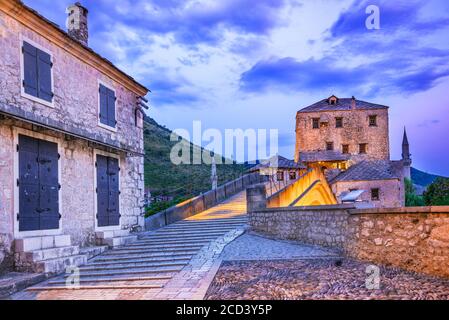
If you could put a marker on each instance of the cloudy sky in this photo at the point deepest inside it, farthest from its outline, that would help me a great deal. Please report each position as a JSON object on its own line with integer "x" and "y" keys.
{"x": 254, "y": 63}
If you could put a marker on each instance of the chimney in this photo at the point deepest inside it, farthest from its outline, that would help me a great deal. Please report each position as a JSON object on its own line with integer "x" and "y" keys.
{"x": 77, "y": 23}
{"x": 353, "y": 103}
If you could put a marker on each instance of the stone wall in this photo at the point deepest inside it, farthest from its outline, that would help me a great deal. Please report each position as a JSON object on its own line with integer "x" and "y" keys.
{"x": 355, "y": 130}
{"x": 415, "y": 239}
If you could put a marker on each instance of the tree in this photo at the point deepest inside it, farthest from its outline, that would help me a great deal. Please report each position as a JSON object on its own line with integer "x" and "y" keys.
{"x": 411, "y": 199}
{"x": 437, "y": 193}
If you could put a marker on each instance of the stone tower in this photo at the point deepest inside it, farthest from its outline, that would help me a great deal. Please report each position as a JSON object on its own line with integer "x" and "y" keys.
{"x": 77, "y": 23}
{"x": 406, "y": 156}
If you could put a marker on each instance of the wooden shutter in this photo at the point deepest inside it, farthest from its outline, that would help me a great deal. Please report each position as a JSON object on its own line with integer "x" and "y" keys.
{"x": 113, "y": 200}
{"x": 30, "y": 82}
{"x": 103, "y": 105}
{"x": 102, "y": 191}
{"x": 44, "y": 66}
{"x": 111, "y": 108}
{"x": 107, "y": 106}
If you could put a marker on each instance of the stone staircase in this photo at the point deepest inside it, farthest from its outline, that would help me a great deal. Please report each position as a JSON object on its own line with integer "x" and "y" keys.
{"x": 148, "y": 263}
{"x": 50, "y": 254}
{"x": 114, "y": 238}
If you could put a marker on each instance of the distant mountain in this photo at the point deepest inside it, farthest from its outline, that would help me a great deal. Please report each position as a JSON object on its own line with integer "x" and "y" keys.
{"x": 422, "y": 178}
{"x": 163, "y": 177}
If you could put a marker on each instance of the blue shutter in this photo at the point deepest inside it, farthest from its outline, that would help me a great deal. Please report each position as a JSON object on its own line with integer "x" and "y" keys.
{"x": 103, "y": 105}
{"x": 102, "y": 191}
{"x": 111, "y": 108}
{"x": 44, "y": 66}
{"x": 30, "y": 82}
{"x": 113, "y": 199}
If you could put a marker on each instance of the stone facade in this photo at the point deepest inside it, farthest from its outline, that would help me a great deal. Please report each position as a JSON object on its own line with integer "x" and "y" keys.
{"x": 415, "y": 239}
{"x": 71, "y": 121}
{"x": 391, "y": 192}
{"x": 355, "y": 130}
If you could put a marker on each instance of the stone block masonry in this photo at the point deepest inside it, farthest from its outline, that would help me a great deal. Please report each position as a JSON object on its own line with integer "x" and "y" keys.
{"x": 415, "y": 239}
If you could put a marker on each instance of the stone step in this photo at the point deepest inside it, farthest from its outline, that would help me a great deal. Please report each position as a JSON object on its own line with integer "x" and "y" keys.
{"x": 97, "y": 287}
{"x": 48, "y": 254}
{"x": 92, "y": 252}
{"x": 54, "y": 266}
{"x": 149, "y": 252}
{"x": 162, "y": 246}
{"x": 134, "y": 266}
{"x": 175, "y": 241}
{"x": 202, "y": 227}
{"x": 111, "y": 234}
{"x": 140, "y": 256}
{"x": 158, "y": 248}
{"x": 137, "y": 261}
{"x": 39, "y": 243}
{"x": 116, "y": 279}
{"x": 194, "y": 230}
{"x": 163, "y": 236}
{"x": 118, "y": 241}
{"x": 129, "y": 272}
{"x": 217, "y": 220}
{"x": 186, "y": 223}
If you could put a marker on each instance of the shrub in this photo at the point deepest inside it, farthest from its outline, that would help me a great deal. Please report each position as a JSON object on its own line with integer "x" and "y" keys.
{"x": 411, "y": 199}
{"x": 437, "y": 194}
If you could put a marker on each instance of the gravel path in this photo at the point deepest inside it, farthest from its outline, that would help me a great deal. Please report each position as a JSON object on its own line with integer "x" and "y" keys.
{"x": 330, "y": 278}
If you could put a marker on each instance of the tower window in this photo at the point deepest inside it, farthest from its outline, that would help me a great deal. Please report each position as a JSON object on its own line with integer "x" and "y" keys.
{"x": 329, "y": 146}
{"x": 345, "y": 148}
{"x": 316, "y": 123}
{"x": 375, "y": 194}
{"x": 292, "y": 175}
{"x": 373, "y": 121}
{"x": 363, "y": 148}
{"x": 338, "y": 122}
{"x": 280, "y": 175}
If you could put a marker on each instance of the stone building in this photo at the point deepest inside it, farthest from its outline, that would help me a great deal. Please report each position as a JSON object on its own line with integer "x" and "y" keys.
{"x": 71, "y": 156}
{"x": 348, "y": 139}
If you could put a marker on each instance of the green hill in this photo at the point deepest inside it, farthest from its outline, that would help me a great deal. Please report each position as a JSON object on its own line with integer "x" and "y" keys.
{"x": 163, "y": 177}
{"x": 422, "y": 178}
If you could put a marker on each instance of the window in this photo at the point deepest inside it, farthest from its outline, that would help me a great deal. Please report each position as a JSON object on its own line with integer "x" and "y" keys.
{"x": 338, "y": 122}
{"x": 316, "y": 123}
{"x": 292, "y": 175}
{"x": 37, "y": 73}
{"x": 107, "y": 106}
{"x": 280, "y": 175}
{"x": 373, "y": 121}
{"x": 345, "y": 148}
{"x": 329, "y": 146}
{"x": 362, "y": 148}
{"x": 375, "y": 194}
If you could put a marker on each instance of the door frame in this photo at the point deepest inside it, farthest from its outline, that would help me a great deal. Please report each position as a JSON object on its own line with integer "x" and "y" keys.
{"x": 111, "y": 155}
{"x": 35, "y": 233}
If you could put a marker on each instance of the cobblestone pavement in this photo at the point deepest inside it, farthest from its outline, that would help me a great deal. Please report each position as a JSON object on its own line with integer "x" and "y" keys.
{"x": 253, "y": 247}
{"x": 176, "y": 262}
{"x": 331, "y": 278}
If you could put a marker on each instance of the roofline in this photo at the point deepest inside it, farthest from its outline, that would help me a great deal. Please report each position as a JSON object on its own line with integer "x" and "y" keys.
{"x": 316, "y": 111}
{"x": 31, "y": 19}
{"x": 336, "y": 181}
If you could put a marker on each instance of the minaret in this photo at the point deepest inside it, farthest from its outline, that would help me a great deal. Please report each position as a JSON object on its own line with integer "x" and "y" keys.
{"x": 213, "y": 176}
{"x": 406, "y": 156}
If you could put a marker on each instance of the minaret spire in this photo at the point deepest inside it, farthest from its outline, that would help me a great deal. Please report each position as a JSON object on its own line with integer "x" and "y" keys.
{"x": 406, "y": 156}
